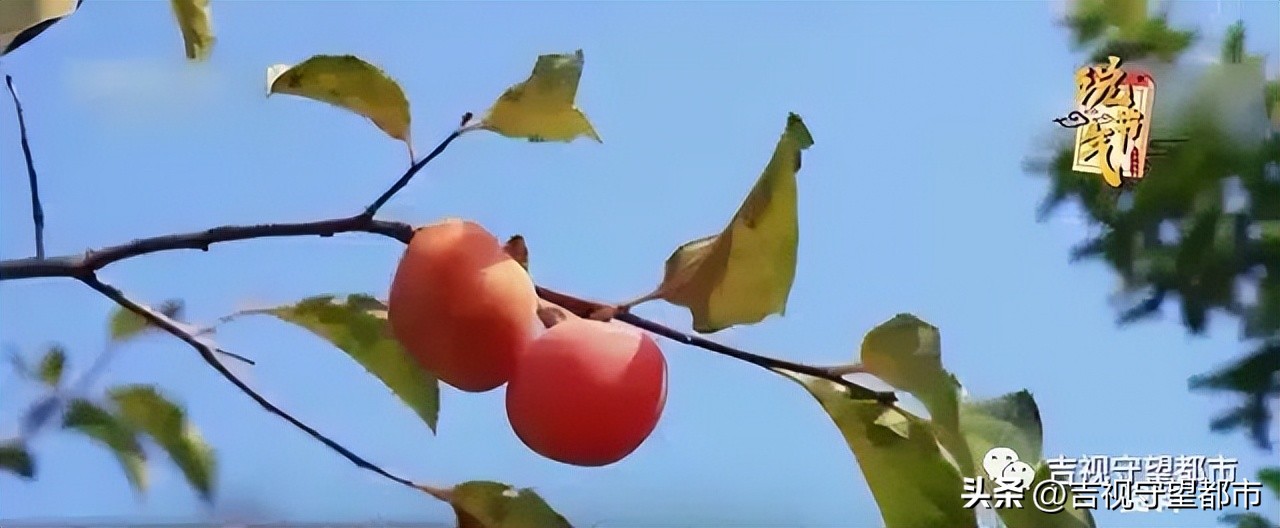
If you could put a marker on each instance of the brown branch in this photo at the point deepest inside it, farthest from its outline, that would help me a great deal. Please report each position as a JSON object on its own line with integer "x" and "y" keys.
{"x": 207, "y": 351}
{"x": 585, "y": 308}
{"x": 94, "y": 260}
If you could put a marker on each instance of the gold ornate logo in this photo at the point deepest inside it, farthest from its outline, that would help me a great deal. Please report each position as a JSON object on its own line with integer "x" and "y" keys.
{"x": 1112, "y": 120}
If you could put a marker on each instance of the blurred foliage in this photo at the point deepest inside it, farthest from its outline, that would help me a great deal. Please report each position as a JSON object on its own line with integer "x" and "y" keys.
{"x": 1202, "y": 228}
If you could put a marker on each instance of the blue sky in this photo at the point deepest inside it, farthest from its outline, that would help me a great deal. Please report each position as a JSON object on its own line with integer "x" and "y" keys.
{"x": 913, "y": 199}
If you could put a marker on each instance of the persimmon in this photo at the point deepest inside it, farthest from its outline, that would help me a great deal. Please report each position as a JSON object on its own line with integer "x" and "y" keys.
{"x": 461, "y": 306}
{"x": 587, "y": 393}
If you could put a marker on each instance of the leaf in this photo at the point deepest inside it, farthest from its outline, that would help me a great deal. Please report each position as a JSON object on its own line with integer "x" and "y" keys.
{"x": 909, "y": 476}
{"x": 15, "y": 458}
{"x": 358, "y": 326}
{"x": 486, "y": 504}
{"x": 52, "y": 365}
{"x": 126, "y": 325}
{"x": 23, "y": 20}
{"x": 1031, "y": 516}
{"x": 146, "y": 410}
{"x": 1270, "y": 477}
{"x": 1011, "y": 420}
{"x": 99, "y": 424}
{"x": 1246, "y": 520}
{"x": 194, "y": 19}
{"x": 347, "y": 82}
{"x": 541, "y": 108}
{"x": 906, "y": 352}
{"x": 745, "y": 273}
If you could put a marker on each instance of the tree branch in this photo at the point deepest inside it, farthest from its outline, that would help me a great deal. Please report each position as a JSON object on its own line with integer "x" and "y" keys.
{"x": 37, "y": 211}
{"x": 94, "y": 260}
{"x": 585, "y": 308}
{"x": 413, "y": 169}
{"x": 207, "y": 351}
{"x": 84, "y": 266}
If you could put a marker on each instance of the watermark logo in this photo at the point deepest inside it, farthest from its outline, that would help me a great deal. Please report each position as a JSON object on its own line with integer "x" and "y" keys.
{"x": 1112, "y": 120}
{"x": 1117, "y": 483}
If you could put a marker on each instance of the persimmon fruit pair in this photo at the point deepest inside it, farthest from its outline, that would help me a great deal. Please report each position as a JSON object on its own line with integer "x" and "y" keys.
{"x": 582, "y": 392}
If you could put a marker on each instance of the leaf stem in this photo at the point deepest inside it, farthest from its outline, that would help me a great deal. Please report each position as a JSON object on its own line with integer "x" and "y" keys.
{"x": 37, "y": 210}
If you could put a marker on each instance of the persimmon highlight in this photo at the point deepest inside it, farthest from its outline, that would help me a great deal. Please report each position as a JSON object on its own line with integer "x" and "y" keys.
{"x": 461, "y": 306}
{"x": 587, "y": 393}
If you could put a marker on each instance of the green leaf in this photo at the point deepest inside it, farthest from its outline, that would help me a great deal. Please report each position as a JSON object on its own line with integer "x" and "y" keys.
{"x": 350, "y": 83}
{"x": 194, "y": 19}
{"x": 1011, "y": 421}
{"x": 358, "y": 326}
{"x": 23, "y": 20}
{"x": 15, "y": 458}
{"x": 745, "y": 273}
{"x": 1246, "y": 520}
{"x": 541, "y": 108}
{"x": 909, "y": 475}
{"x": 99, "y": 424}
{"x": 1270, "y": 477}
{"x": 486, "y": 504}
{"x": 52, "y": 365}
{"x": 126, "y": 325}
{"x": 906, "y": 352}
{"x": 145, "y": 409}
{"x": 1031, "y": 516}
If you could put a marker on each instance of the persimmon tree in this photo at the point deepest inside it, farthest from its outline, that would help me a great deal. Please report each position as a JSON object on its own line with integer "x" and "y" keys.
{"x": 459, "y": 292}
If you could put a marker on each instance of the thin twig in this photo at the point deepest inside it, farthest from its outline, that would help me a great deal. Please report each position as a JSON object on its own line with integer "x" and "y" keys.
{"x": 37, "y": 210}
{"x": 409, "y": 174}
{"x": 207, "y": 352}
{"x": 584, "y": 308}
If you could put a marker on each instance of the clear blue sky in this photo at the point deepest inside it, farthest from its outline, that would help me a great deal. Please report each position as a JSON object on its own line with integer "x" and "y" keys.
{"x": 912, "y": 200}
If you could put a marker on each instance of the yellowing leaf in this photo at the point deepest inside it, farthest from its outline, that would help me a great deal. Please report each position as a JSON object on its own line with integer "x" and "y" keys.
{"x": 23, "y": 20}
{"x": 909, "y": 476}
{"x": 358, "y": 326}
{"x": 542, "y": 107}
{"x": 348, "y": 82}
{"x": 194, "y": 19}
{"x": 745, "y": 273}
{"x": 485, "y": 504}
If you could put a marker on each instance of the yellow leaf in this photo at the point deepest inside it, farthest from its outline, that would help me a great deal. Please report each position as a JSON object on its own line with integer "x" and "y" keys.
{"x": 23, "y": 20}
{"x": 744, "y": 274}
{"x": 348, "y": 82}
{"x": 542, "y": 107}
{"x": 197, "y": 28}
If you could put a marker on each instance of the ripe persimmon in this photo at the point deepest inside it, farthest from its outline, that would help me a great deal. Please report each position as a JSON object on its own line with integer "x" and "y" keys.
{"x": 587, "y": 393}
{"x": 461, "y": 306}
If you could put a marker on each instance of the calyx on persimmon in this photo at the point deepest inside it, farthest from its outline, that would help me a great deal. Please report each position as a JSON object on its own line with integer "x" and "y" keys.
{"x": 461, "y": 306}
{"x": 587, "y": 393}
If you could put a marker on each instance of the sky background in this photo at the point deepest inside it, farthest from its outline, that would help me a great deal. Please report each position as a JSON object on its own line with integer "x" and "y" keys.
{"x": 913, "y": 199}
